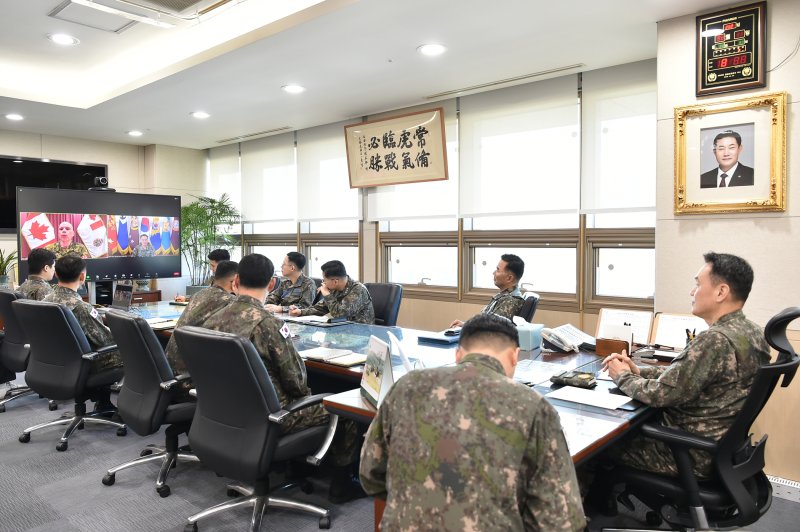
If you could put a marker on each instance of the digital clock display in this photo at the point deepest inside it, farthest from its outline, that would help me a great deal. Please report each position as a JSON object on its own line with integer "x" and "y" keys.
{"x": 731, "y": 61}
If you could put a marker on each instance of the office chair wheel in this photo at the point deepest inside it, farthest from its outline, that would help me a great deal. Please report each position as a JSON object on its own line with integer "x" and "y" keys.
{"x": 62, "y": 446}
{"x": 81, "y": 425}
{"x": 163, "y": 491}
{"x": 109, "y": 479}
{"x": 122, "y": 431}
{"x": 653, "y": 518}
{"x": 232, "y": 493}
{"x": 2, "y": 408}
{"x": 25, "y": 437}
{"x": 52, "y": 405}
{"x": 146, "y": 452}
{"x": 325, "y": 522}
{"x": 307, "y": 487}
{"x": 191, "y": 527}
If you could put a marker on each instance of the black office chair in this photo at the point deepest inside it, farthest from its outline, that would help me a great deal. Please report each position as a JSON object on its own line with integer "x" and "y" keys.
{"x": 528, "y": 308}
{"x": 238, "y": 435}
{"x": 386, "y": 298}
{"x": 59, "y": 364}
{"x": 739, "y": 492}
{"x": 146, "y": 400}
{"x": 14, "y": 350}
{"x": 317, "y": 295}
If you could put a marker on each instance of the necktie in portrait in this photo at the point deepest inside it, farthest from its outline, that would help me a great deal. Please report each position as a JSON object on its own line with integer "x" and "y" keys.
{"x": 722, "y": 178}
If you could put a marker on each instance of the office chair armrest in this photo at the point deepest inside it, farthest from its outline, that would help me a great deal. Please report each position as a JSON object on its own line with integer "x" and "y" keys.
{"x": 103, "y": 351}
{"x": 316, "y": 458}
{"x": 681, "y": 438}
{"x": 172, "y": 382}
{"x": 300, "y": 404}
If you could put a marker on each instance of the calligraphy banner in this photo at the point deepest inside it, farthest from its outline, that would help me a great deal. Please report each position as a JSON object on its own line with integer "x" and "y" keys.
{"x": 402, "y": 149}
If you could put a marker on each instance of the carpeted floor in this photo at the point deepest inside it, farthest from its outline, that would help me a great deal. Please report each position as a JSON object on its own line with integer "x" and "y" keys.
{"x": 42, "y": 489}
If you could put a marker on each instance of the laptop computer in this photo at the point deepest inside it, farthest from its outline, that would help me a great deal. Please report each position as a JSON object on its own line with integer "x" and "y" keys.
{"x": 192, "y": 290}
{"x": 123, "y": 294}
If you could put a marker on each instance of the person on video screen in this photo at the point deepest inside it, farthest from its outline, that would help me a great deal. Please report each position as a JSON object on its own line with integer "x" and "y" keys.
{"x": 66, "y": 244}
{"x": 144, "y": 248}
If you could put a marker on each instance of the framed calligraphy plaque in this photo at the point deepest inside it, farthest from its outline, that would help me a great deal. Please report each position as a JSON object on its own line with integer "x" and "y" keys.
{"x": 407, "y": 148}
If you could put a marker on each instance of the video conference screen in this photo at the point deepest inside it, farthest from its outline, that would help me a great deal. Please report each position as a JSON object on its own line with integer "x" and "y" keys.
{"x": 121, "y": 236}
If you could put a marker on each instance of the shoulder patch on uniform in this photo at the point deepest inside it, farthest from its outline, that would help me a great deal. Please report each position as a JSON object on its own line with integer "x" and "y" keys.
{"x": 93, "y": 312}
{"x": 285, "y": 331}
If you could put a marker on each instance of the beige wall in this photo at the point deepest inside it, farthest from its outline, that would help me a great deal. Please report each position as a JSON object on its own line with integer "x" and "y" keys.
{"x": 767, "y": 241}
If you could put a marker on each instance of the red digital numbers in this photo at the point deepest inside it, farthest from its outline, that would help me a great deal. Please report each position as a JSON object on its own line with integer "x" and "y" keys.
{"x": 736, "y": 60}
{"x": 729, "y": 26}
{"x": 738, "y": 34}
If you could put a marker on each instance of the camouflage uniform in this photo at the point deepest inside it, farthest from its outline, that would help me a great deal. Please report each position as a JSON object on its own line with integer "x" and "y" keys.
{"x": 96, "y": 332}
{"x": 35, "y": 287}
{"x": 73, "y": 249}
{"x": 148, "y": 251}
{"x": 353, "y": 303}
{"x": 301, "y": 294}
{"x": 506, "y": 303}
{"x": 202, "y": 305}
{"x": 701, "y": 392}
{"x": 247, "y": 317}
{"x": 466, "y": 448}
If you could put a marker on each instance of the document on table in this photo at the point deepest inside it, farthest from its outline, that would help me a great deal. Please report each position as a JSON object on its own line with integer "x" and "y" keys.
{"x": 589, "y": 397}
{"x": 158, "y": 324}
{"x": 535, "y": 371}
{"x": 323, "y": 353}
{"x": 639, "y": 321}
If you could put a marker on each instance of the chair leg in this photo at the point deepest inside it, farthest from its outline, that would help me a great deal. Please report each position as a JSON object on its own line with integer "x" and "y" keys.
{"x": 74, "y": 422}
{"x": 288, "y": 504}
{"x": 59, "y": 421}
{"x": 259, "y": 505}
{"x": 15, "y": 393}
{"x": 228, "y": 505}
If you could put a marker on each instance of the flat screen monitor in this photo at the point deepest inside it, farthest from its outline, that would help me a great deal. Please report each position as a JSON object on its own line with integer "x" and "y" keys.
{"x": 121, "y": 236}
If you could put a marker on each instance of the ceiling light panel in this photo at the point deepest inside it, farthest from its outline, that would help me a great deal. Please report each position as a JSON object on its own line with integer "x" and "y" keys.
{"x": 86, "y": 16}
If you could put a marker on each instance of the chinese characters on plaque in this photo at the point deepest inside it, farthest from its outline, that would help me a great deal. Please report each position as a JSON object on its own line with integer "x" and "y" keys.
{"x": 403, "y": 149}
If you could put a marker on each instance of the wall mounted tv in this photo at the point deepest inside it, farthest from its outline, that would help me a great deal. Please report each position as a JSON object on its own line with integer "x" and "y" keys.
{"x": 121, "y": 236}
{"x": 45, "y": 173}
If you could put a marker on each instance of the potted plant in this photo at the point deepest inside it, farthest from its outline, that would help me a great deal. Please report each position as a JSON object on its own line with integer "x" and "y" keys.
{"x": 203, "y": 229}
{"x": 7, "y": 261}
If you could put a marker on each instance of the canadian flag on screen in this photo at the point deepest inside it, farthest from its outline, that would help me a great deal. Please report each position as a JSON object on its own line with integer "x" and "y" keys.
{"x": 92, "y": 231}
{"x": 38, "y": 231}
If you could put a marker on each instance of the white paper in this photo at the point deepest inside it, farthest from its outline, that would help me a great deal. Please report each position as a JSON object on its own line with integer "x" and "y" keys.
{"x": 308, "y": 319}
{"x": 640, "y": 322}
{"x": 589, "y": 397}
{"x": 671, "y": 329}
{"x": 323, "y": 353}
{"x": 603, "y": 375}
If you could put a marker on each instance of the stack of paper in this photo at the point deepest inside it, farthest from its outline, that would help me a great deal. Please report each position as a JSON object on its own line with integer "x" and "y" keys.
{"x": 340, "y": 357}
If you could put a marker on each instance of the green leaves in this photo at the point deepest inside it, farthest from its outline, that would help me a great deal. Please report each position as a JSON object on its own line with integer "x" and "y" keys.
{"x": 202, "y": 224}
{"x": 7, "y": 260}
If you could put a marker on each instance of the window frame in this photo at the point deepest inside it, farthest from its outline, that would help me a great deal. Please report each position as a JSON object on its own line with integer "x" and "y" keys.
{"x": 306, "y": 240}
{"x": 387, "y": 240}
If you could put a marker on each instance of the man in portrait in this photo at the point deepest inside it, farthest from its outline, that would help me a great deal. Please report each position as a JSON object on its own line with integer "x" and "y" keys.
{"x": 729, "y": 172}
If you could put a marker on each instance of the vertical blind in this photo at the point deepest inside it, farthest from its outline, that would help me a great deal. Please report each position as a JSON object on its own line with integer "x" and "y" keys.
{"x": 269, "y": 175}
{"x": 619, "y": 139}
{"x": 431, "y": 199}
{"x": 520, "y": 149}
{"x": 223, "y": 174}
{"x": 323, "y": 183}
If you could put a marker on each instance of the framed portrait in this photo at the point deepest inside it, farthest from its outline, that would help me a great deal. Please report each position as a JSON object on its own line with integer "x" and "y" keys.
{"x": 730, "y": 156}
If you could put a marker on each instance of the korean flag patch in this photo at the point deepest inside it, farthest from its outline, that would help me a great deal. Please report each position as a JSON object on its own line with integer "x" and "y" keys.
{"x": 285, "y": 331}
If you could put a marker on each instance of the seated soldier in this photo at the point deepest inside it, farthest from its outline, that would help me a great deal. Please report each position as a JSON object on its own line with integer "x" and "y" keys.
{"x": 204, "y": 303}
{"x": 342, "y": 297}
{"x": 508, "y": 301}
{"x": 295, "y": 289}
{"x": 214, "y": 257}
{"x": 247, "y": 317}
{"x": 466, "y": 447}
{"x": 41, "y": 268}
{"x": 71, "y": 272}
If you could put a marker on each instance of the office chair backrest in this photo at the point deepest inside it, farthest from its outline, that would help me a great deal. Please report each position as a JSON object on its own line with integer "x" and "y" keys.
{"x": 142, "y": 402}
{"x": 55, "y": 368}
{"x": 386, "y": 298}
{"x": 230, "y": 431}
{"x": 528, "y": 308}
{"x": 14, "y": 350}
{"x": 318, "y": 283}
{"x": 740, "y": 465}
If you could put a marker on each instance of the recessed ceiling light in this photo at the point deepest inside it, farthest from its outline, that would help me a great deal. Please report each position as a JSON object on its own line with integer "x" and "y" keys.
{"x": 63, "y": 39}
{"x": 135, "y": 133}
{"x": 432, "y": 49}
{"x": 14, "y": 116}
{"x": 200, "y": 114}
{"x": 293, "y": 89}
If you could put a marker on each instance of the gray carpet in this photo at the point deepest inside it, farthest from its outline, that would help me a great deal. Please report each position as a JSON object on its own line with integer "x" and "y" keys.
{"x": 42, "y": 489}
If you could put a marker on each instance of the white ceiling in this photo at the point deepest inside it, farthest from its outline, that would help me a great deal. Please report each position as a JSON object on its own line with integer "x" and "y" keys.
{"x": 354, "y": 57}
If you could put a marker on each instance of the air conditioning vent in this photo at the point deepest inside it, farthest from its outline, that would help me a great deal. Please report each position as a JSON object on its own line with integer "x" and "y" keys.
{"x": 496, "y": 84}
{"x": 253, "y": 135}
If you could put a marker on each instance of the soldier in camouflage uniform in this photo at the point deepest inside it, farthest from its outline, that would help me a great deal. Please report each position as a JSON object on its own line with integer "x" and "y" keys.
{"x": 215, "y": 257}
{"x": 247, "y": 317}
{"x": 468, "y": 448}
{"x": 144, "y": 248}
{"x": 295, "y": 290}
{"x": 41, "y": 267}
{"x": 704, "y": 389}
{"x": 65, "y": 245}
{"x": 509, "y": 300}
{"x": 342, "y": 297}
{"x": 204, "y": 303}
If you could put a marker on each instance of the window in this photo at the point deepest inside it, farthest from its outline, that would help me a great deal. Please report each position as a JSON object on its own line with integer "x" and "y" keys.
{"x": 523, "y": 221}
{"x": 318, "y": 255}
{"x": 273, "y": 253}
{"x": 547, "y": 269}
{"x": 625, "y": 272}
{"x": 423, "y": 265}
{"x": 330, "y": 226}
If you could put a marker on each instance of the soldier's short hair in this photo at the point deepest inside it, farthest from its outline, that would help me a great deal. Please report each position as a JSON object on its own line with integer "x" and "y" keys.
{"x": 733, "y": 271}
{"x": 218, "y": 255}
{"x": 226, "y": 269}
{"x": 69, "y": 268}
{"x": 39, "y": 258}
{"x": 334, "y": 268}
{"x": 488, "y": 328}
{"x": 255, "y": 271}
{"x": 298, "y": 259}
{"x": 514, "y": 264}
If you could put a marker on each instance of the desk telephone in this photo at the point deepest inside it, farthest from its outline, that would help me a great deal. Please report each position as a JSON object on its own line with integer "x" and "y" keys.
{"x": 567, "y": 338}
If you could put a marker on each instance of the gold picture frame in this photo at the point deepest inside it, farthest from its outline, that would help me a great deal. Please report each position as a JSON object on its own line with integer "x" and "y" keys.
{"x": 710, "y": 136}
